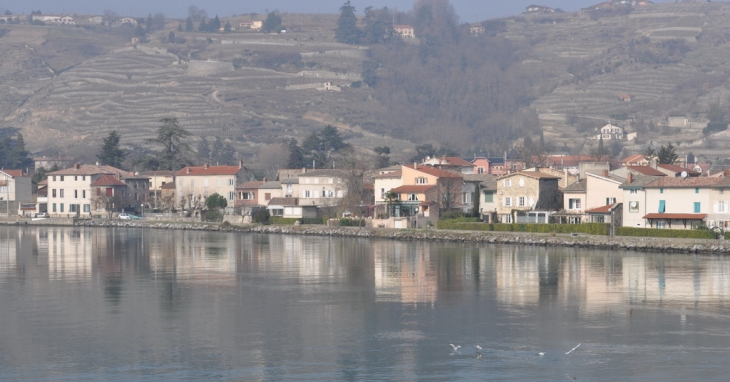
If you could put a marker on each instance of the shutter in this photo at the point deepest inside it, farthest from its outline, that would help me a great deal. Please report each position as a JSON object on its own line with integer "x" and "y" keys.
{"x": 662, "y": 206}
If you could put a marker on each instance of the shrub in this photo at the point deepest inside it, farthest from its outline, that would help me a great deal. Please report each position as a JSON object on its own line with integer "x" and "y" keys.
{"x": 284, "y": 221}
{"x": 452, "y": 215}
{"x": 674, "y": 233}
{"x": 352, "y": 223}
{"x": 213, "y": 216}
{"x": 314, "y": 220}
{"x": 262, "y": 216}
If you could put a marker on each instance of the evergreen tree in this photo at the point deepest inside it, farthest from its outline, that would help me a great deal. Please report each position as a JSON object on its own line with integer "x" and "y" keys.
{"x": 189, "y": 24}
{"x": 322, "y": 144}
{"x": 378, "y": 26}
{"x": 111, "y": 154}
{"x": 171, "y": 37}
{"x": 216, "y": 153}
{"x": 272, "y": 23}
{"x": 173, "y": 148}
{"x": 227, "y": 28}
{"x": 346, "y": 30}
{"x": 215, "y": 24}
{"x": 203, "y": 27}
{"x": 179, "y": 27}
{"x": 149, "y": 24}
{"x": 667, "y": 154}
{"x": 296, "y": 159}
{"x": 383, "y": 156}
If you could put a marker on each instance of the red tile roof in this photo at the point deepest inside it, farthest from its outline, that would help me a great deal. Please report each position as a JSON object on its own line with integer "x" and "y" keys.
{"x": 569, "y": 160}
{"x": 459, "y": 162}
{"x": 633, "y": 158}
{"x": 168, "y": 186}
{"x": 107, "y": 180}
{"x": 676, "y": 216}
{"x": 601, "y": 210}
{"x": 412, "y": 189}
{"x": 393, "y": 174}
{"x": 678, "y": 169}
{"x": 436, "y": 172}
{"x": 249, "y": 185}
{"x": 672, "y": 182}
{"x": 646, "y": 170}
{"x": 208, "y": 170}
{"x": 90, "y": 169}
{"x": 14, "y": 173}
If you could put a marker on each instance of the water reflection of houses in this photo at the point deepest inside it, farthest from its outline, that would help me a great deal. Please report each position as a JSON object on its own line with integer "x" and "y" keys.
{"x": 69, "y": 252}
{"x": 405, "y": 272}
{"x": 517, "y": 276}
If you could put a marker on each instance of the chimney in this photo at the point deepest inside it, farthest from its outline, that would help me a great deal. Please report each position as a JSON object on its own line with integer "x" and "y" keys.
{"x": 604, "y": 173}
{"x": 652, "y": 163}
{"x": 207, "y": 166}
{"x": 304, "y": 170}
{"x": 240, "y": 164}
{"x": 566, "y": 178}
{"x": 264, "y": 180}
{"x": 76, "y": 166}
{"x": 415, "y": 165}
{"x": 188, "y": 170}
{"x": 630, "y": 177}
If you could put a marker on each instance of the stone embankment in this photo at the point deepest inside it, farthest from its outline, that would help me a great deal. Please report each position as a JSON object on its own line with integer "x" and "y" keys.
{"x": 643, "y": 244}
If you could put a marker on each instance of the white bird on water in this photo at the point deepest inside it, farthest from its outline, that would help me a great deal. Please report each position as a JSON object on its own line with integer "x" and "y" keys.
{"x": 479, "y": 348}
{"x": 542, "y": 353}
{"x": 455, "y": 347}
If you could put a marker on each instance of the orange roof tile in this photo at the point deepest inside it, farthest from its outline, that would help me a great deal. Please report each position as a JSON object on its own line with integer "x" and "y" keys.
{"x": 435, "y": 172}
{"x": 107, "y": 180}
{"x": 14, "y": 173}
{"x": 208, "y": 170}
{"x": 672, "y": 182}
{"x": 601, "y": 210}
{"x": 412, "y": 189}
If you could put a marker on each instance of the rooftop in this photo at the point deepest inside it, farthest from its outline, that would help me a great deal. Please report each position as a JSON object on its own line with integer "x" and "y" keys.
{"x": 90, "y": 169}
{"x": 208, "y": 170}
{"x": 412, "y": 189}
{"x": 672, "y": 182}
{"x": 646, "y": 170}
{"x": 435, "y": 171}
{"x": 579, "y": 187}
{"x": 675, "y": 216}
{"x": 107, "y": 180}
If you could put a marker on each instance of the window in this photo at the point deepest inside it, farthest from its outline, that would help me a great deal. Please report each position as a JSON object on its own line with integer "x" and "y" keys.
{"x": 205, "y": 182}
{"x": 331, "y": 180}
{"x": 507, "y": 219}
{"x": 412, "y": 197}
{"x": 307, "y": 194}
{"x": 382, "y": 193}
{"x": 508, "y": 182}
{"x": 53, "y": 209}
{"x": 331, "y": 193}
{"x": 488, "y": 197}
{"x": 61, "y": 181}
{"x": 610, "y": 201}
{"x": 54, "y": 179}
{"x": 306, "y": 180}
{"x": 267, "y": 196}
{"x": 76, "y": 178}
{"x": 316, "y": 180}
{"x": 662, "y": 206}
{"x": 53, "y": 193}
{"x": 466, "y": 197}
{"x": 76, "y": 194}
{"x": 721, "y": 207}
{"x": 231, "y": 195}
{"x": 73, "y": 208}
{"x": 220, "y": 183}
{"x": 248, "y": 196}
{"x": 84, "y": 179}
{"x": 87, "y": 207}
{"x": 230, "y": 182}
{"x": 661, "y": 190}
{"x": 339, "y": 193}
{"x": 698, "y": 207}
{"x": 83, "y": 194}
{"x": 521, "y": 201}
{"x": 634, "y": 191}
{"x": 661, "y": 224}
{"x": 507, "y": 202}
{"x": 192, "y": 183}
{"x": 480, "y": 170}
{"x": 574, "y": 204}
{"x": 697, "y": 190}
{"x": 421, "y": 180}
{"x": 61, "y": 207}
{"x": 288, "y": 189}
{"x": 60, "y": 194}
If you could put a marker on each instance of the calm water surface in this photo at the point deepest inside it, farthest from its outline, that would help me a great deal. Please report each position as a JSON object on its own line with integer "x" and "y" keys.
{"x": 146, "y": 305}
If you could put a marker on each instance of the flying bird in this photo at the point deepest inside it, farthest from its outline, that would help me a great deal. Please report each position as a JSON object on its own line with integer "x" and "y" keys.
{"x": 455, "y": 347}
{"x": 571, "y": 350}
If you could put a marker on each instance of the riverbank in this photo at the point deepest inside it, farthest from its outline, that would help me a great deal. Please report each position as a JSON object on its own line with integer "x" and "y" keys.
{"x": 643, "y": 244}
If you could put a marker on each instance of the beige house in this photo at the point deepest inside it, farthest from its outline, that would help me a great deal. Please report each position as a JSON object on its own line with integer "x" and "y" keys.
{"x": 487, "y": 189}
{"x": 719, "y": 214}
{"x": 385, "y": 182}
{"x": 404, "y": 31}
{"x": 70, "y": 191}
{"x": 322, "y": 188}
{"x": 194, "y": 184}
{"x": 528, "y": 191}
{"x": 15, "y": 186}
{"x": 603, "y": 190}
{"x": 611, "y": 132}
{"x": 290, "y": 208}
{"x": 668, "y": 202}
{"x": 574, "y": 202}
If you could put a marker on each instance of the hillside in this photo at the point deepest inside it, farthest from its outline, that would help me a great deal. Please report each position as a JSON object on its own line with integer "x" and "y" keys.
{"x": 66, "y": 87}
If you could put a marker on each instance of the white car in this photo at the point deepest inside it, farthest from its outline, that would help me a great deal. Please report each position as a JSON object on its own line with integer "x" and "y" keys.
{"x": 124, "y": 217}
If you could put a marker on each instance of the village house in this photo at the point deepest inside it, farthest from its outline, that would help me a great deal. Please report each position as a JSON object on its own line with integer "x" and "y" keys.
{"x": 571, "y": 163}
{"x": 124, "y": 21}
{"x": 15, "y": 186}
{"x": 625, "y": 98}
{"x": 289, "y": 208}
{"x": 477, "y": 29}
{"x": 673, "y": 170}
{"x": 635, "y": 160}
{"x": 668, "y": 202}
{"x": 528, "y": 197}
{"x": 719, "y": 216}
{"x": 194, "y": 184}
{"x": 611, "y": 132}
{"x": 324, "y": 188}
{"x": 404, "y": 31}
{"x": 637, "y": 170}
{"x": 539, "y": 9}
{"x": 385, "y": 182}
{"x": 420, "y": 191}
{"x": 157, "y": 180}
{"x": 138, "y": 187}
{"x": 486, "y": 191}
{"x": 258, "y": 193}
{"x": 574, "y": 202}
{"x": 49, "y": 162}
{"x": 496, "y": 165}
{"x": 455, "y": 164}
{"x": 70, "y": 191}
{"x": 97, "y": 20}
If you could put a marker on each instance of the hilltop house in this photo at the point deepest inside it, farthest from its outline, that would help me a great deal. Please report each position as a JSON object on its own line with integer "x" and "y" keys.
{"x": 455, "y": 164}
{"x": 404, "y": 31}
{"x": 610, "y": 132}
{"x": 477, "y": 29}
{"x": 635, "y": 160}
{"x": 124, "y": 21}
{"x": 539, "y": 9}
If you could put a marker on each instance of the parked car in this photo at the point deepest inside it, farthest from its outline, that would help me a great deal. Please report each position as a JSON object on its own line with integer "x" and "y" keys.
{"x": 123, "y": 216}
{"x": 43, "y": 215}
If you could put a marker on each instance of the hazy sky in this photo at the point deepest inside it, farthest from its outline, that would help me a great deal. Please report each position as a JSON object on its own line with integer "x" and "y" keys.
{"x": 468, "y": 10}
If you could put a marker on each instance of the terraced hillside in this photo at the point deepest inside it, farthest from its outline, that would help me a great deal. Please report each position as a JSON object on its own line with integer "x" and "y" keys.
{"x": 67, "y": 87}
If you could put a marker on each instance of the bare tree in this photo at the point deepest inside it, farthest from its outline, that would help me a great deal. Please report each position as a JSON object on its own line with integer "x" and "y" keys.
{"x": 355, "y": 170}
{"x": 271, "y": 158}
{"x": 449, "y": 192}
{"x": 115, "y": 202}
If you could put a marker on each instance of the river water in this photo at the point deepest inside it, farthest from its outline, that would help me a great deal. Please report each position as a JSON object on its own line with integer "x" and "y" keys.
{"x": 111, "y": 304}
